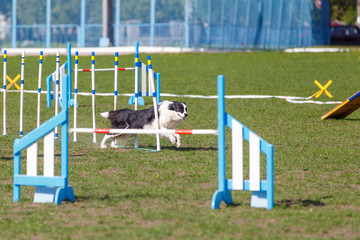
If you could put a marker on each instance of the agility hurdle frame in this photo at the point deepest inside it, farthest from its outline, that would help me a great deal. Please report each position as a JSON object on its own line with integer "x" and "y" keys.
{"x": 21, "y": 90}
{"x": 262, "y": 190}
{"x": 137, "y": 93}
{"x": 49, "y": 188}
{"x": 137, "y": 98}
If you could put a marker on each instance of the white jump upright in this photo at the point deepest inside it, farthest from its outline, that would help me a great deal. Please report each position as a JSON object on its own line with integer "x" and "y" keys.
{"x": 4, "y": 93}
{"x": 262, "y": 190}
{"x": 39, "y": 88}
{"x": 93, "y": 93}
{"x": 136, "y": 143}
{"x": 116, "y": 70}
{"x": 152, "y": 89}
{"x": 76, "y": 72}
{"x": 56, "y": 92}
{"x": 49, "y": 186}
{"x": 22, "y": 93}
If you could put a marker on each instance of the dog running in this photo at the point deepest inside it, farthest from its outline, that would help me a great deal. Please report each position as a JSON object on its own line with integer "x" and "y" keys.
{"x": 170, "y": 115}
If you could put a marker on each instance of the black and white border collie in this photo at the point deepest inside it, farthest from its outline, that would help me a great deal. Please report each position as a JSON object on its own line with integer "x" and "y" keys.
{"x": 170, "y": 115}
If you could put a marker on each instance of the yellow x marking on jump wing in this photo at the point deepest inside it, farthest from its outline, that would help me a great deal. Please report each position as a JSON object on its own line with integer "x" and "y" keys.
{"x": 13, "y": 82}
{"x": 322, "y": 90}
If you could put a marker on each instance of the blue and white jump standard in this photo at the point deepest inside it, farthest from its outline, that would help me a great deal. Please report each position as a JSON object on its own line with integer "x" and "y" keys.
{"x": 49, "y": 188}
{"x": 262, "y": 190}
{"x": 145, "y": 91}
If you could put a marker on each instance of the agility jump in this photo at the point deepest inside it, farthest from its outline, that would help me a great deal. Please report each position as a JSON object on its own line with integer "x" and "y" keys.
{"x": 155, "y": 107}
{"x": 135, "y": 98}
{"x": 13, "y": 82}
{"x": 49, "y": 187}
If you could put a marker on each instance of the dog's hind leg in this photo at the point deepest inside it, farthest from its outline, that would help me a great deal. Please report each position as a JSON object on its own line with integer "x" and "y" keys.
{"x": 106, "y": 137}
{"x": 113, "y": 140}
{"x": 122, "y": 136}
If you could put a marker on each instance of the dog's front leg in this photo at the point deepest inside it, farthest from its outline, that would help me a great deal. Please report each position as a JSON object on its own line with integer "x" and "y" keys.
{"x": 177, "y": 136}
{"x": 174, "y": 138}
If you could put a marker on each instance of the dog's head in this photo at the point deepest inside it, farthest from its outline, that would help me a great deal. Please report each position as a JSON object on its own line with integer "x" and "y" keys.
{"x": 179, "y": 108}
{"x": 172, "y": 111}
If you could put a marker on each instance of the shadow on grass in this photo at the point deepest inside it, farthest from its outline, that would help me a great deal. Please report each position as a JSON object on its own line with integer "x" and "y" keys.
{"x": 285, "y": 203}
{"x": 7, "y": 158}
{"x": 42, "y": 155}
{"x": 109, "y": 197}
{"x": 352, "y": 119}
{"x": 191, "y": 148}
{"x": 301, "y": 202}
{"x": 238, "y": 204}
{"x": 343, "y": 119}
{"x": 152, "y": 148}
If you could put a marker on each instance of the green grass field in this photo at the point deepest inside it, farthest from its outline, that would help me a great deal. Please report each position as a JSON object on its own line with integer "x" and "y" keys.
{"x": 133, "y": 194}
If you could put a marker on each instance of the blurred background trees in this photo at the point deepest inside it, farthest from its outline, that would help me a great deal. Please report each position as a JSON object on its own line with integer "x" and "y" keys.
{"x": 344, "y": 11}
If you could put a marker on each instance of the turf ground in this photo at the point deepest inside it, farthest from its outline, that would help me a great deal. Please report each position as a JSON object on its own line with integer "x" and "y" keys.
{"x": 132, "y": 194}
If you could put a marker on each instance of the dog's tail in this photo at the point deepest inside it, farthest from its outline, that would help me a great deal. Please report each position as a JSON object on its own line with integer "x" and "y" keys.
{"x": 105, "y": 114}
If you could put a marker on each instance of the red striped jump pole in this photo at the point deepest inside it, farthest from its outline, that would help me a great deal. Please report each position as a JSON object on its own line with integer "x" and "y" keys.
{"x": 106, "y": 69}
{"x": 146, "y": 131}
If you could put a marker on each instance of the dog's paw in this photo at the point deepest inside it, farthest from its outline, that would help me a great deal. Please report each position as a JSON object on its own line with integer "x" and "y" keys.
{"x": 178, "y": 143}
{"x": 172, "y": 139}
{"x": 113, "y": 144}
{"x": 103, "y": 146}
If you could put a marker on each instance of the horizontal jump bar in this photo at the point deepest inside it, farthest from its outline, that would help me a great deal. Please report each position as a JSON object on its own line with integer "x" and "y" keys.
{"x": 146, "y": 131}
{"x": 106, "y": 69}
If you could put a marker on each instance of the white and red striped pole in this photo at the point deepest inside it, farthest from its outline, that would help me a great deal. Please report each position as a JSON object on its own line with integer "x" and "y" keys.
{"x": 146, "y": 131}
{"x": 106, "y": 69}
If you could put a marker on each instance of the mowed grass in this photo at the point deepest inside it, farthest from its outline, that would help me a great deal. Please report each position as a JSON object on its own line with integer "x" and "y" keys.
{"x": 133, "y": 194}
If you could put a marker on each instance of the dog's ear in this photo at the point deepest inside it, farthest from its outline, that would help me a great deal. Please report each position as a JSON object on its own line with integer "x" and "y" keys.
{"x": 171, "y": 107}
